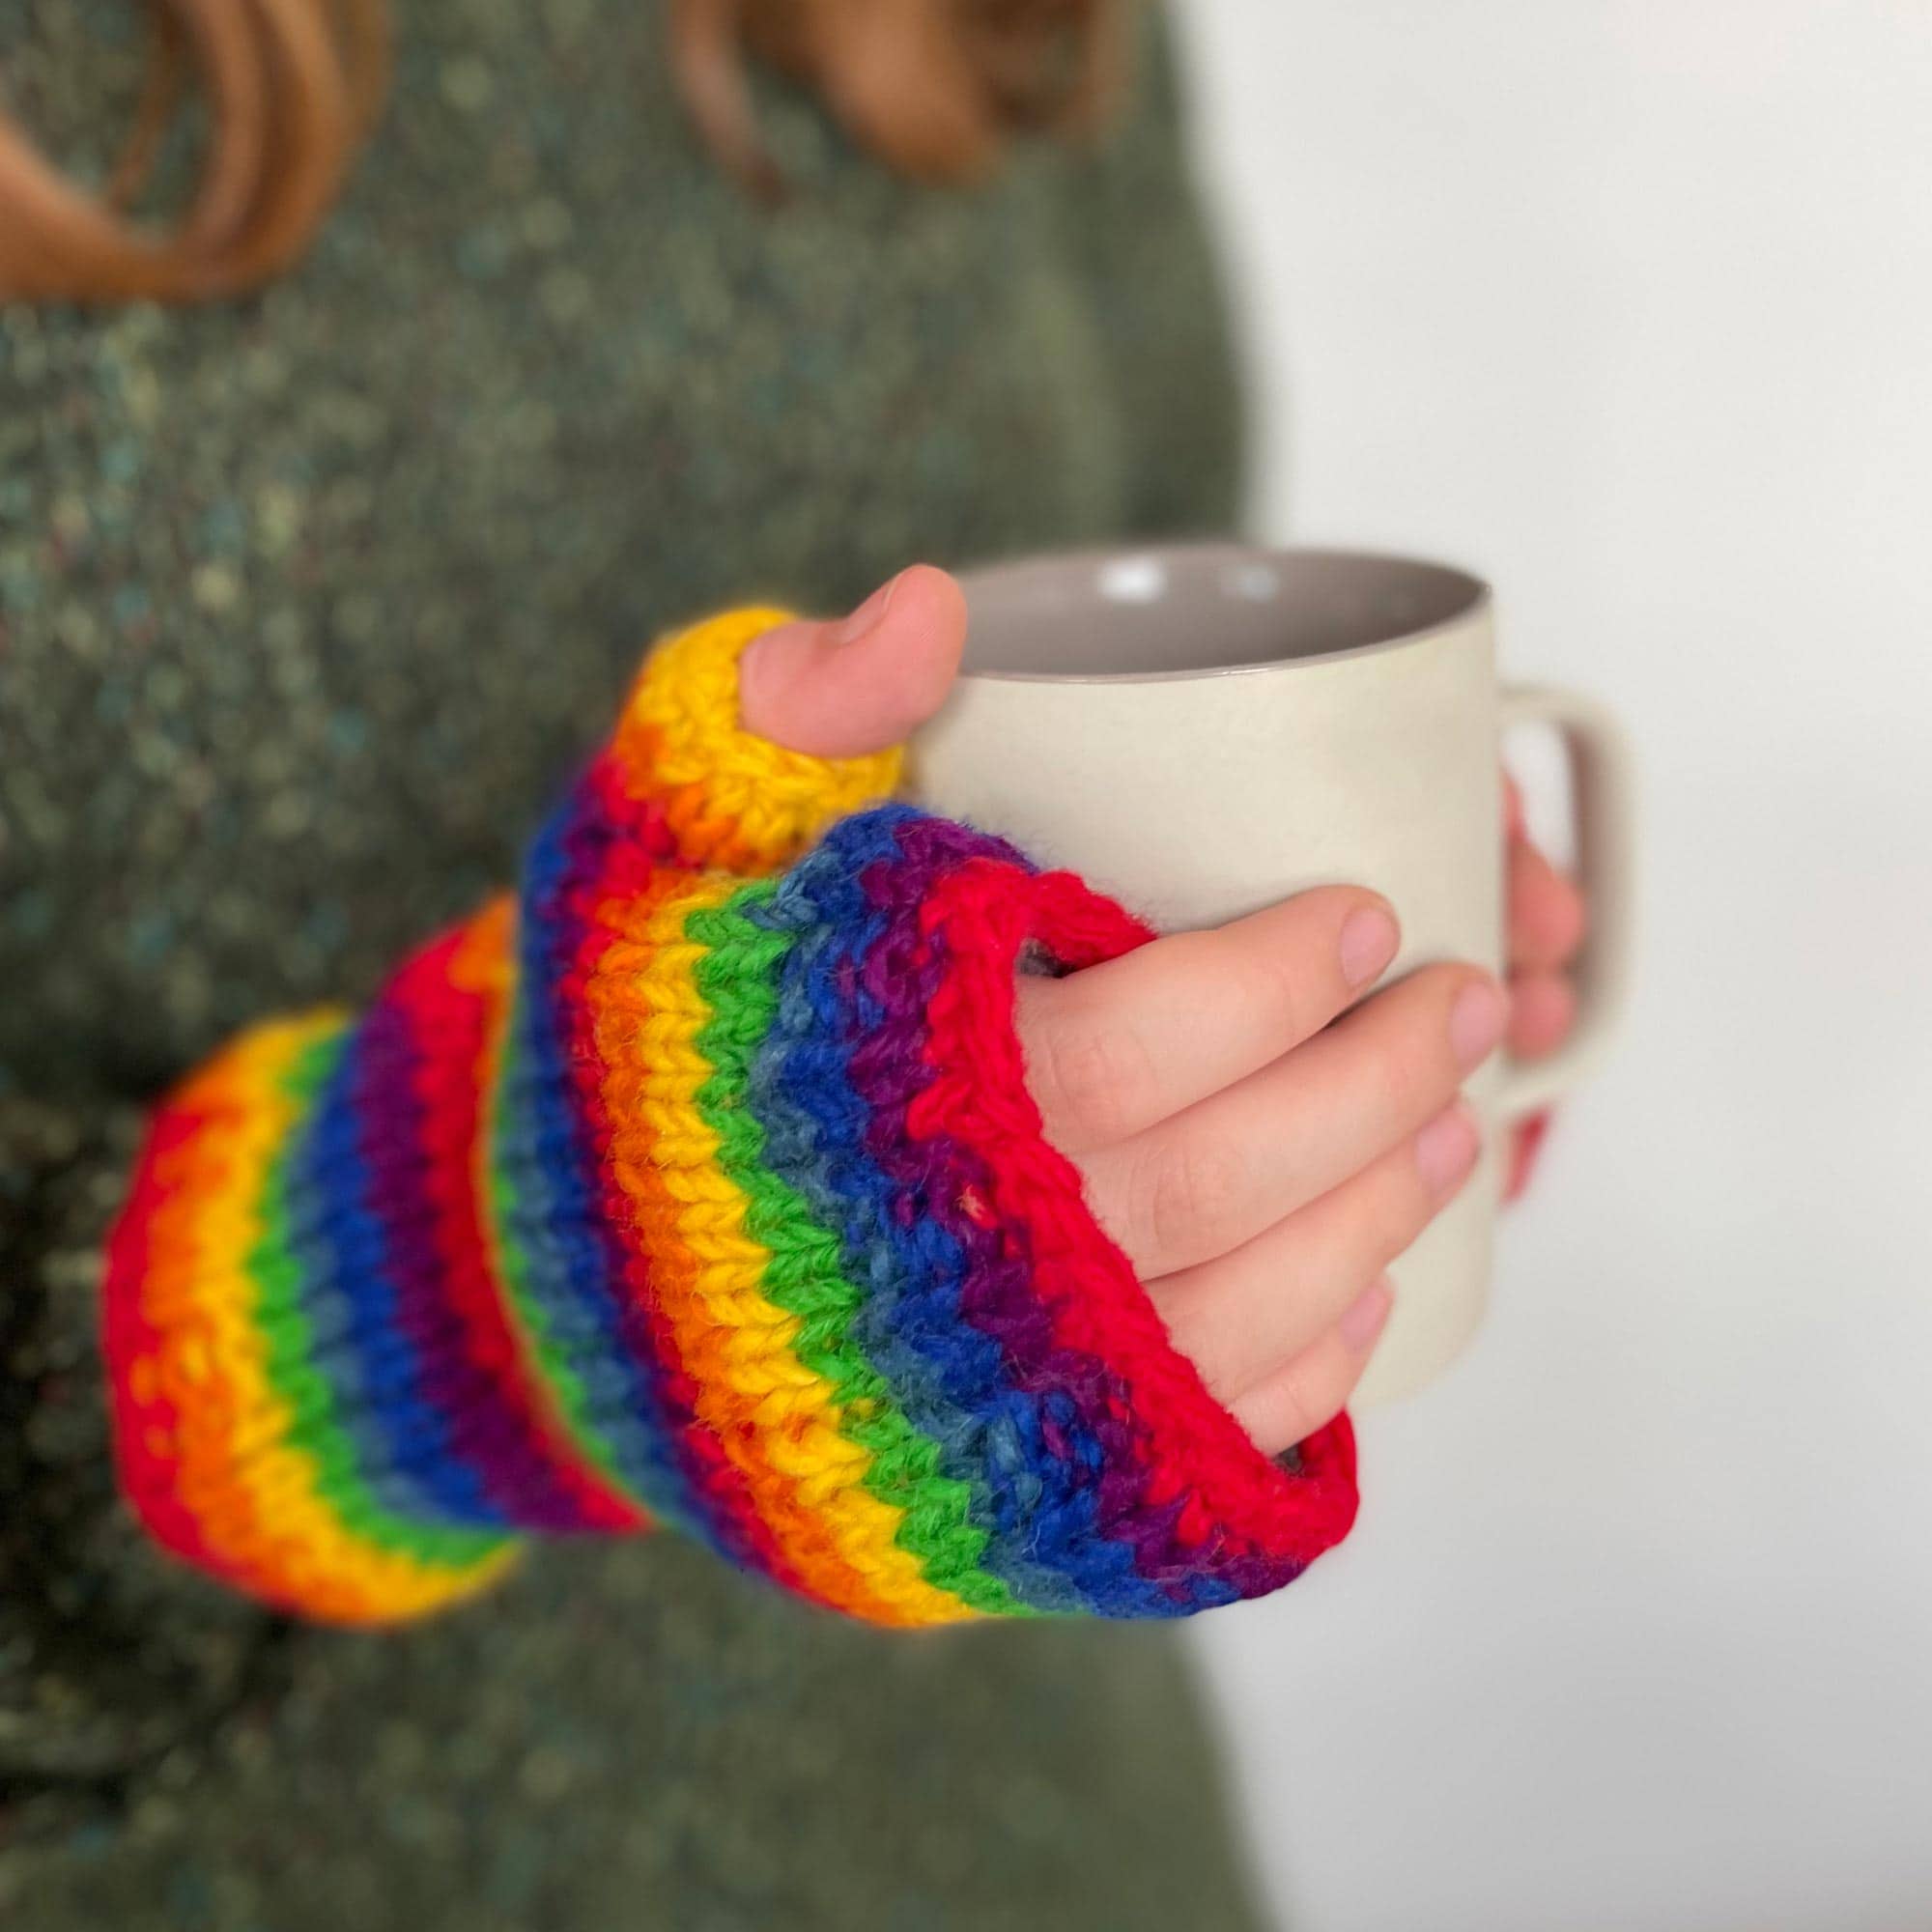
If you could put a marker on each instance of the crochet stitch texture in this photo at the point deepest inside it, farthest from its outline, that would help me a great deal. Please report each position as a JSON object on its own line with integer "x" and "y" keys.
{"x": 696, "y": 1185}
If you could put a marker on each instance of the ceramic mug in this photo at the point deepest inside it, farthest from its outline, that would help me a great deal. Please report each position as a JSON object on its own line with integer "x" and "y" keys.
{"x": 1204, "y": 729}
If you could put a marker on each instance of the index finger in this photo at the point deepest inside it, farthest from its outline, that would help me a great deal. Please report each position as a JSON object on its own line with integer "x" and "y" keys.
{"x": 1120, "y": 1047}
{"x": 1547, "y": 914}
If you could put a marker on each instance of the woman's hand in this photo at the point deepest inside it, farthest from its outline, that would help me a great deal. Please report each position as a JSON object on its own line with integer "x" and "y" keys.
{"x": 1545, "y": 929}
{"x": 1260, "y": 1140}
{"x": 1259, "y": 1165}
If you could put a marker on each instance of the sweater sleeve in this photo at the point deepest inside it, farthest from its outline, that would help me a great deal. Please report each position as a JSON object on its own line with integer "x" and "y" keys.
{"x": 696, "y": 1183}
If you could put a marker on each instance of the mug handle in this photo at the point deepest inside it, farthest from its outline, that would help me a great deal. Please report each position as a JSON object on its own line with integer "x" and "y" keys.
{"x": 1603, "y": 788}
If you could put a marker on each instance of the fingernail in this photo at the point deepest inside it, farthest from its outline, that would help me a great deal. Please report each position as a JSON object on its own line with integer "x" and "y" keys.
{"x": 1445, "y": 1149}
{"x": 868, "y": 616}
{"x": 1362, "y": 1320}
{"x": 1476, "y": 1023}
{"x": 1368, "y": 939}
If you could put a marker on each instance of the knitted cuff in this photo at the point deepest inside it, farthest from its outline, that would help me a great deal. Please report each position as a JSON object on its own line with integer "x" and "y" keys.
{"x": 663, "y": 1194}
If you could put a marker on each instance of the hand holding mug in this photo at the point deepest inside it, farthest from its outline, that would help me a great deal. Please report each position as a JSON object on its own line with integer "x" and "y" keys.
{"x": 1260, "y": 1138}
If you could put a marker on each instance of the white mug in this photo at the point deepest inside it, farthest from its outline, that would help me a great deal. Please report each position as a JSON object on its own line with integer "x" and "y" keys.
{"x": 1204, "y": 729}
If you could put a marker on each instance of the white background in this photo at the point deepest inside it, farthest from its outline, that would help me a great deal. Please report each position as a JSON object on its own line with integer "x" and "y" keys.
{"x": 1628, "y": 303}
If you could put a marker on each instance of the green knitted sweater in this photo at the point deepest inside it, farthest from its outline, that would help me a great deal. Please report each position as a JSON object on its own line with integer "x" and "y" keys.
{"x": 307, "y": 604}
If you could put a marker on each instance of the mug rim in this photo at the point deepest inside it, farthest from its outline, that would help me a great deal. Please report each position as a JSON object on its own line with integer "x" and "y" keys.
{"x": 1475, "y": 601}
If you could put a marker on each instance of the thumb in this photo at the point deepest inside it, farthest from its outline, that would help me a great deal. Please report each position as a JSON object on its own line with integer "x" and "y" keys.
{"x": 856, "y": 684}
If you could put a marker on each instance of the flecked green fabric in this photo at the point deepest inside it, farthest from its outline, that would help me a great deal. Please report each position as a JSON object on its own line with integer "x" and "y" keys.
{"x": 307, "y": 605}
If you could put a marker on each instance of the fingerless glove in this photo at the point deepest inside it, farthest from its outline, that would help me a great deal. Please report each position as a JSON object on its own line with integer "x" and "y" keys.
{"x": 698, "y": 1184}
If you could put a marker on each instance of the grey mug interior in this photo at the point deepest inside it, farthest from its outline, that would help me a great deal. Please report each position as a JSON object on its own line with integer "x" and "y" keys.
{"x": 1181, "y": 610}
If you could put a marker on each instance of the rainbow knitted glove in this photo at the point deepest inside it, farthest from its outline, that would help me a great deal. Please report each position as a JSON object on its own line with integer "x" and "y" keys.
{"x": 686, "y": 1189}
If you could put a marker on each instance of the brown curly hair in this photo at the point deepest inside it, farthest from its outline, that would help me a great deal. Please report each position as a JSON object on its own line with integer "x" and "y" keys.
{"x": 292, "y": 87}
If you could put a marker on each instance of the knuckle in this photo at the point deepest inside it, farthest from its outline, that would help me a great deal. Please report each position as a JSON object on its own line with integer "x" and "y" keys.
{"x": 1097, "y": 1077}
{"x": 1296, "y": 1422}
{"x": 1301, "y": 980}
{"x": 1288, "y": 986}
{"x": 1400, "y": 1075}
{"x": 1401, "y": 1210}
{"x": 1417, "y": 1068}
{"x": 1194, "y": 1196}
{"x": 1307, "y": 1402}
